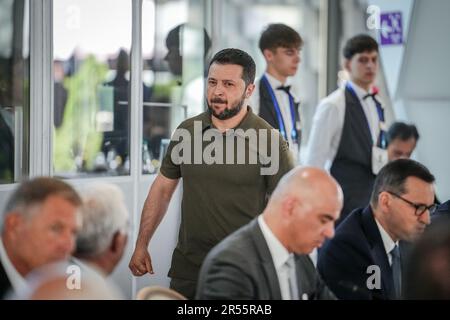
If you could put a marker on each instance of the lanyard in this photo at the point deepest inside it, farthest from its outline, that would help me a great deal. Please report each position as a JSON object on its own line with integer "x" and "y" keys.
{"x": 382, "y": 141}
{"x": 278, "y": 111}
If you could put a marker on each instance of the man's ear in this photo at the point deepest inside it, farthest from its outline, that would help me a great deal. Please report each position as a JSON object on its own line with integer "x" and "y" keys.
{"x": 249, "y": 90}
{"x": 384, "y": 201}
{"x": 347, "y": 65}
{"x": 288, "y": 206}
{"x": 268, "y": 54}
{"x": 12, "y": 222}
{"x": 118, "y": 243}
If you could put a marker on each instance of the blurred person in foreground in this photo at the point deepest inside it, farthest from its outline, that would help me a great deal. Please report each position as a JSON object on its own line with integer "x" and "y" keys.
{"x": 103, "y": 237}
{"x": 39, "y": 227}
{"x": 428, "y": 271}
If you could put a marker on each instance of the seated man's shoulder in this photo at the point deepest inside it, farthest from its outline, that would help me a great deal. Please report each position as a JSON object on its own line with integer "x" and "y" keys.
{"x": 350, "y": 232}
{"x": 235, "y": 248}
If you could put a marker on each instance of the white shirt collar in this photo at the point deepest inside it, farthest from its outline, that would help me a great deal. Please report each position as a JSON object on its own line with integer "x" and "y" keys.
{"x": 16, "y": 279}
{"x": 360, "y": 92}
{"x": 388, "y": 243}
{"x": 279, "y": 253}
{"x": 274, "y": 82}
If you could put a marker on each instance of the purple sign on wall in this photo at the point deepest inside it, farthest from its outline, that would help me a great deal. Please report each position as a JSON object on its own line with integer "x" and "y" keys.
{"x": 391, "y": 32}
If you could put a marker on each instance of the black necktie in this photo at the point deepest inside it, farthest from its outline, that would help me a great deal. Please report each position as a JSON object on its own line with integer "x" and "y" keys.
{"x": 396, "y": 271}
{"x": 285, "y": 89}
{"x": 373, "y": 96}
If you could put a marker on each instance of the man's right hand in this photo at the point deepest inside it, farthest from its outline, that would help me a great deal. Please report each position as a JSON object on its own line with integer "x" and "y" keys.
{"x": 140, "y": 262}
{"x": 155, "y": 207}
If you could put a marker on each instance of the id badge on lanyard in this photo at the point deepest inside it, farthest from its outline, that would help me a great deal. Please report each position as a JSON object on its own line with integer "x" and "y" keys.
{"x": 379, "y": 159}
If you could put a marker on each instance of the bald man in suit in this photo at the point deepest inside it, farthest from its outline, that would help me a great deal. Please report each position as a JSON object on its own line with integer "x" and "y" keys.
{"x": 268, "y": 258}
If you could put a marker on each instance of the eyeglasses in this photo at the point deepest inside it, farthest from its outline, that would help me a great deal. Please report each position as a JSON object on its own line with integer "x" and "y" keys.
{"x": 420, "y": 208}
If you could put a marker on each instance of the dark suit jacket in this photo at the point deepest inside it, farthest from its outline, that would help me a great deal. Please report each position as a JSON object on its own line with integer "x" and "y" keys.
{"x": 443, "y": 209}
{"x": 5, "y": 284}
{"x": 442, "y": 213}
{"x": 241, "y": 267}
{"x": 267, "y": 109}
{"x": 343, "y": 260}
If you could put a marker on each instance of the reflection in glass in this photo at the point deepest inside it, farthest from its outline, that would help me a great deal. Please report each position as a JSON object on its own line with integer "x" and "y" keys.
{"x": 242, "y": 29}
{"x": 91, "y": 87}
{"x": 174, "y": 58}
{"x": 14, "y": 89}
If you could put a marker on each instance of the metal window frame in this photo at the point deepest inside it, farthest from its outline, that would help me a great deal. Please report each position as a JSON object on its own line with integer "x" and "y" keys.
{"x": 41, "y": 88}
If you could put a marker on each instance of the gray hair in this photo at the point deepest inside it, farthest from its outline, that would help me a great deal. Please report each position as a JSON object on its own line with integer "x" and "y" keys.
{"x": 32, "y": 193}
{"x": 104, "y": 214}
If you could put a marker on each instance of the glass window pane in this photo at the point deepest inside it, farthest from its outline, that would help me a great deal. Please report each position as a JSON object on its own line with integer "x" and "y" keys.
{"x": 14, "y": 89}
{"x": 92, "y": 42}
{"x": 174, "y": 49}
{"x": 243, "y": 27}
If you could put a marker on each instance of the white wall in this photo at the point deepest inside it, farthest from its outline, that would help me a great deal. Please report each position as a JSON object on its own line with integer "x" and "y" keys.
{"x": 417, "y": 77}
{"x": 423, "y": 94}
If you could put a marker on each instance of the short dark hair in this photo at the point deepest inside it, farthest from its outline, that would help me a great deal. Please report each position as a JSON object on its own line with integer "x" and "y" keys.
{"x": 402, "y": 131}
{"x": 428, "y": 267}
{"x": 173, "y": 39}
{"x": 392, "y": 177}
{"x": 278, "y": 35}
{"x": 239, "y": 57}
{"x": 358, "y": 44}
{"x": 37, "y": 190}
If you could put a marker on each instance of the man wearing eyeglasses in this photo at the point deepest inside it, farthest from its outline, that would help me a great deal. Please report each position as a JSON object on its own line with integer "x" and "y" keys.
{"x": 366, "y": 258}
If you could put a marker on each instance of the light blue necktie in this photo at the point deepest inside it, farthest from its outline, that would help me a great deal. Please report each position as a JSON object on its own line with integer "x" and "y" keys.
{"x": 292, "y": 278}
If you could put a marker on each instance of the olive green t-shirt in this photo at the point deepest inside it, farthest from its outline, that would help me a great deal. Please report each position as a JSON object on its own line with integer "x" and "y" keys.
{"x": 218, "y": 198}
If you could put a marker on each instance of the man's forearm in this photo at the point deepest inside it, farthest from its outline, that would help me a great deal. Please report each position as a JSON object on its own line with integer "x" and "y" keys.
{"x": 155, "y": 208}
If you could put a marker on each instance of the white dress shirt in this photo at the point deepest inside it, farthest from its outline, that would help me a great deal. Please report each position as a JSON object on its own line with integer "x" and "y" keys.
{"x": 284, "y": 104}
{"x": 279, "y": 255}
{"x": 388, "y": 243}
{"x": 328, "y": 123}
{"x": 16, "y": 279}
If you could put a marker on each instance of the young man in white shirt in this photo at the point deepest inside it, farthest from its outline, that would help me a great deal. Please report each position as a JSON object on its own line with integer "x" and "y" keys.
{"x": 273, "y": 99}
{"x": 348, "y": 136}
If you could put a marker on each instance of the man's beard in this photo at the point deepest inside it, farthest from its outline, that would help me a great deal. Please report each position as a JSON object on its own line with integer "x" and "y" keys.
{"x": 228, "y": 113}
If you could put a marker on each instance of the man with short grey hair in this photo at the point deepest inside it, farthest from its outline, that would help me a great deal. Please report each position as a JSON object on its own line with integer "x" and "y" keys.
{"x": 102, "y": 240}
{"x": 39, "y": 226}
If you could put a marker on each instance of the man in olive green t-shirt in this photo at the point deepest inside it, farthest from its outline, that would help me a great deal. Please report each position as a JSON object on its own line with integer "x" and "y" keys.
{"x": 230, "y": 161}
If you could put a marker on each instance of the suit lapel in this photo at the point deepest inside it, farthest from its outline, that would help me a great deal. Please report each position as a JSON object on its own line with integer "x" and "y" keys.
{"x": 377, "y": 250}
{"x": 270, "y": 273}
{"x": 5, "y": 284}
{"x": 266, "y": 101}
{"x": 305, "y": 276}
